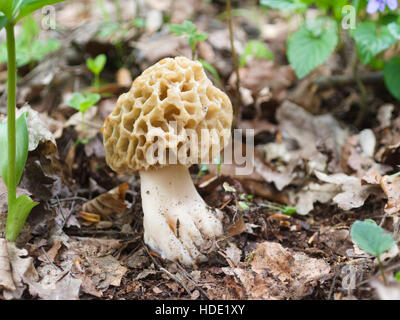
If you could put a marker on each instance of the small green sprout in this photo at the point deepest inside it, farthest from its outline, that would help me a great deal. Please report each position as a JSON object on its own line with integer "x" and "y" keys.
{"x": 288, "y": 210}
{"x": 397, "y": 276}
{"x": 371, "y": 238}
{"x": 256, "y": 49}
{"x": 14, "y": 133}
{"x": 203, "y": 168}
{"x": 82, "y": 102}
{"x": 28, "y": 47}
{"x": 139, "y": 23}
{"x": 189, "y": 30}
{"x": 243, "y": 205}
{"x": 96, "y": 65}
{"x": 218, "y": 162}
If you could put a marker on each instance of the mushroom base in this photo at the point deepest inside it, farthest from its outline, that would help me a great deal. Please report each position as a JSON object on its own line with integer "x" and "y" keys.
{"x": 177, "y": 222}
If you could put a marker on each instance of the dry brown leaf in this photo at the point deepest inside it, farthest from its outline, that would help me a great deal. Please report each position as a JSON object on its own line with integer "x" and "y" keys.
{"x": 237, "y": 227}
{"x": 278, "y": 274}
{"x": 108, "y": 203}
{"x": 351, "y": 193}
{"x": 22, "y": 270}
{"x": 390, "y": 186}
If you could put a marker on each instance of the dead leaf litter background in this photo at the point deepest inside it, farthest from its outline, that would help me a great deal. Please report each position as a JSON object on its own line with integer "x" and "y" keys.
{"x": 85, "y": 239}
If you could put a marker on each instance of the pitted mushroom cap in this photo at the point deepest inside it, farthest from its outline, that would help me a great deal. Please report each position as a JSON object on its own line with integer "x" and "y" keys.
{"x": 167, "y": 106}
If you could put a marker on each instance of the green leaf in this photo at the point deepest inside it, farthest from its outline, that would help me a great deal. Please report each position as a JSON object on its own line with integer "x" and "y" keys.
{"x": 97, "y": 64}
{"x": 392, "y": 77}
{"x": 3, "y": 21}
{"x": 370, "y": 40}
{"x": 211, "y": 69}
{"x": 22, "y": 142}
{"x": 243, "y": 205}
{"x": 6, "y": 7}
{"x": 17, "y": 216}
{"x": 397, "y": 276}
{"x": 257, "y": 49}
{"x": 283, "y": 5}
{"x": 371, "y": 238}
{"x": 82, "y": 102}
{"x": 312, "y": 45}
{"x": 29, "y": 6}
{"x": 199, "y": 37}
{"x": 394, "y": 29}
{"x": 177, "y": 29}
{"x": 288, "y": 210}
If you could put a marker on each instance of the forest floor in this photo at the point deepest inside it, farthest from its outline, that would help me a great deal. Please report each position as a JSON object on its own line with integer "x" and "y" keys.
{"x": 85, "y": 238}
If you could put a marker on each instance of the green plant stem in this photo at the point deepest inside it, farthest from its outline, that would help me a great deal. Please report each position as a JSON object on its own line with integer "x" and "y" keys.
{"x": 83, "y": 124}
{"x": 381, "y": 269}
{"x": 11, "y": 103}
{"x": 363, "y": 92}
{"x": 97, "y": 82}
{"x": 236, "y": 66}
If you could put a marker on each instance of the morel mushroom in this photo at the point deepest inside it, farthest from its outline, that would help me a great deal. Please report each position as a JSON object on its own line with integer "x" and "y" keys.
{"x": 148, "y": 132}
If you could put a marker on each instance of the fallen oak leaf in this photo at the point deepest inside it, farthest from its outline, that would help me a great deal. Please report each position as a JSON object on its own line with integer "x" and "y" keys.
{"x": 108, "y": 203}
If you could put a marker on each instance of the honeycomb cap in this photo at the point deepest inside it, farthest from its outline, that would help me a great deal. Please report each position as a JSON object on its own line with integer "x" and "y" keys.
{"x": 172, "y": 114}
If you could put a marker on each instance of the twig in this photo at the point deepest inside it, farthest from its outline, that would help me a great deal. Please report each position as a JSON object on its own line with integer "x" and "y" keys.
{"x": 188, "y": 277}
{"x": 236, "y": 112}
{"x": 167, "y": 272}
{"x": 344, "y": 80}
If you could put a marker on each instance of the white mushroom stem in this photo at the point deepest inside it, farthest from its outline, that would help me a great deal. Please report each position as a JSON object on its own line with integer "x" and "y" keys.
{"x": 177, "y": 222}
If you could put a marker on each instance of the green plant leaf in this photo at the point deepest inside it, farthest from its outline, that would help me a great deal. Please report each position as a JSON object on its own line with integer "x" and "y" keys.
{"x": 3, "y": 21}
{"x": 22, "y": 142}
{"x": 6, "y": 7}
{"x": 28, "y": 6}
{"x": 312, "y": 45}
{"x": 283, "y": 5}
{"x": 97, "y": 64}
{"x": 17, "y": 216}
{"x": 288, "y": 210}
{"x": 243, "y": 205}
{"x": 211, "y": 69}
{"x": 177, "y": 29}
{"x": 371, "y": 238}
{"x": 82, "y": 102}
{"x": 394, "y": 29}
{"x": 392, "y": 76}
{"x": 257, "y": 49}
{"x": 370, "y": 40}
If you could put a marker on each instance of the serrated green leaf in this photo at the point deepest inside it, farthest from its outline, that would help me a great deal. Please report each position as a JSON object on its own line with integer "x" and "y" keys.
{"x": 29, "y": 6}
{"x": 283, "y": 5}
{"x": 311, "y": 46}
{"x": 17, "y": 216}
{"x": 22, "y": 142}
{"x": 199, "y": 37}
{"x": 371, "y": 41}
{"x": 371, "y": 238}
{"x": 257, "y": 49}
{"x": 177, "y": 29}
{"x": 392, "y": 77}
